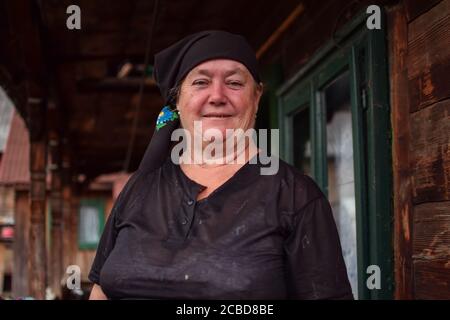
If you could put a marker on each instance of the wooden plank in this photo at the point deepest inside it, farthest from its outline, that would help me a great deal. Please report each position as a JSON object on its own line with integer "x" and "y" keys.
{"x": 430, "y": 153}
{"x": 432, "y": 231}
{"x": 429, "y": 57}
{"x": 428, "y": 39}
{"x": 67, "y": 203}
{"x": 73, "y": 226}
{"x": 415, "y": 8}
{"x": 432, "y": 250}
{"x": 56, "y": 231}
{"x": 432, "y": 279}
{"x": 431, "y": 86}
{"x": 37, "y": 257}
{"x": 402, "y": 191}
{"x": 67, "y": 211}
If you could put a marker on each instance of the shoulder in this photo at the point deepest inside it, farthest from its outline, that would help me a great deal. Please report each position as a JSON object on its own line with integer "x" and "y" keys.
{"x": 131, "y": 190}
{"x": 295, "y": 189}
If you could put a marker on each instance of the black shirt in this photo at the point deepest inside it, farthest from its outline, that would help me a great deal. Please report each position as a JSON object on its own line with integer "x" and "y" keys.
{"x": 255, "y": 237}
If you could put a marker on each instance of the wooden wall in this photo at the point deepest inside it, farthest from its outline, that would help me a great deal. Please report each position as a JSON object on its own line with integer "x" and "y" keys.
{"x": 420, "y": 92}
{"x": 428, "y": 62}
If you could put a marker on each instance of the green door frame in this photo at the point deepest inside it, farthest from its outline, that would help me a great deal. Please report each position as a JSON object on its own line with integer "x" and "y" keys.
{"x": 363, "y": 53}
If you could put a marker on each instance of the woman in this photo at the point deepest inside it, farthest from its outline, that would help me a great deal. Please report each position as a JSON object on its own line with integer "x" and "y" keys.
{"x": 211, "y": 230}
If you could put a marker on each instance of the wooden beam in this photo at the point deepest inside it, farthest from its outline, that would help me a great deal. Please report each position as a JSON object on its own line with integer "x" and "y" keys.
{"x": 38, "y": 160}
{"x": 56, "y": 232}
{"x": 398, "y": 37}
{"x": 67, "y": 200}
{"x": 280, "y": 30}
{"x": 73, "y": 225}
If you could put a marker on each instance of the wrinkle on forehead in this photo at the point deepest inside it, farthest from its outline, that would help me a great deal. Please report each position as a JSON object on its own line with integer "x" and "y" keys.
{"x": 209, "y": 67}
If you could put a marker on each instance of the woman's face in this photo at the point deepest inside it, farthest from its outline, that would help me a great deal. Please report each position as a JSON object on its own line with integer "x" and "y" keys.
{"x": 220, "y": 93}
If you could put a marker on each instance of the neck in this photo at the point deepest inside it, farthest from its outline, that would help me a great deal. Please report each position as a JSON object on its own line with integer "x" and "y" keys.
{"x": 201, "y": 158}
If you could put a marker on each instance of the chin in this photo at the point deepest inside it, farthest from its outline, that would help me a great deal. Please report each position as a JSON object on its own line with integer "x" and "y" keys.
{"x": 222, "y": 129}
{"x": 222, "y": 126}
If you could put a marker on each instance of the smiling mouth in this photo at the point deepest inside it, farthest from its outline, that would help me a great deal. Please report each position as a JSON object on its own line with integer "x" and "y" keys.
{"x": 217, "y": 116}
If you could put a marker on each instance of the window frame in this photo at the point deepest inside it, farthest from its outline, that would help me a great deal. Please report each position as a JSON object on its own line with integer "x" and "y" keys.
{"x": 363, "y": 53}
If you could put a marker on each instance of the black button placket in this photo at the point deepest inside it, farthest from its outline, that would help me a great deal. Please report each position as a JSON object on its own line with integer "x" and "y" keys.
{"x": 187, "y": 216}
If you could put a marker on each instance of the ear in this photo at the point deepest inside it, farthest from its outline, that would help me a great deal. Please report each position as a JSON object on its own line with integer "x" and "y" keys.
{"x": 258, "y": 93}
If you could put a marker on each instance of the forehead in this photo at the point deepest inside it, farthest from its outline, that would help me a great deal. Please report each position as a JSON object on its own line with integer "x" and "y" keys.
{"x": 220, "y": 66}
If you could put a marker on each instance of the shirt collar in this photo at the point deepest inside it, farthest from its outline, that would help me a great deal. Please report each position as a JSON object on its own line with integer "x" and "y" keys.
{"x": 246, "y": 175}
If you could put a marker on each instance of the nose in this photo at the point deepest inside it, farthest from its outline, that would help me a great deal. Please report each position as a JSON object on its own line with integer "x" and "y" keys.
{"x": 217, "y": 95}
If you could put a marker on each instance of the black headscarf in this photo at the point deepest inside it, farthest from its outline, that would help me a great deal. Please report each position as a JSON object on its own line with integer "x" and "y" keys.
{"x": 172, "y": 64}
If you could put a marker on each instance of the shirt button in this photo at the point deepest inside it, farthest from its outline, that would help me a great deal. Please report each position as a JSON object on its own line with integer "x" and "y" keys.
{"x": 184, "y": 221}
{"x": 190, "y": 202}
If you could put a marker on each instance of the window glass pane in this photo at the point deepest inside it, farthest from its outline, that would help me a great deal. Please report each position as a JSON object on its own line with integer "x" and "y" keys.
{"x": 341, "y": 182}
{"x": 89, "y": 225}
{"x": 302, "y": 141}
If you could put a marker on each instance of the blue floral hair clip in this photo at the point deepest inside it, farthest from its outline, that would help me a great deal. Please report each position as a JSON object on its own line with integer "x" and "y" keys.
{"x": 165, "y": 116}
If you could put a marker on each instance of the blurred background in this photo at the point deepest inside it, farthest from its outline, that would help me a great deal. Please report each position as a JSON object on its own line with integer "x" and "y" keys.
{"x": 358, "y": 89}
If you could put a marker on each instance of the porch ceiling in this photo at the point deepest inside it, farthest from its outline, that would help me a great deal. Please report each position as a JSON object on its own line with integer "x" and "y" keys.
{"x": 97, "y": 108}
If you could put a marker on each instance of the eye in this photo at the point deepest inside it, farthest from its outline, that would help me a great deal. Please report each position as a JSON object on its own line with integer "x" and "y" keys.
{"x": 235, "y": 83}
{"x": 200, "y": 82}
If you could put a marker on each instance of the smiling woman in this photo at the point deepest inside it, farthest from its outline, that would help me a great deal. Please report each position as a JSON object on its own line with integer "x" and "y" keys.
{"x": 216, "y": 231}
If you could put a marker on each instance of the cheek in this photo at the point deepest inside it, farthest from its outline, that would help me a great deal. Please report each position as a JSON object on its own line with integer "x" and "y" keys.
{"x": 246, "y": 106}
{"x": 187, "y": 109}
{"x": 191, "y": 104}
